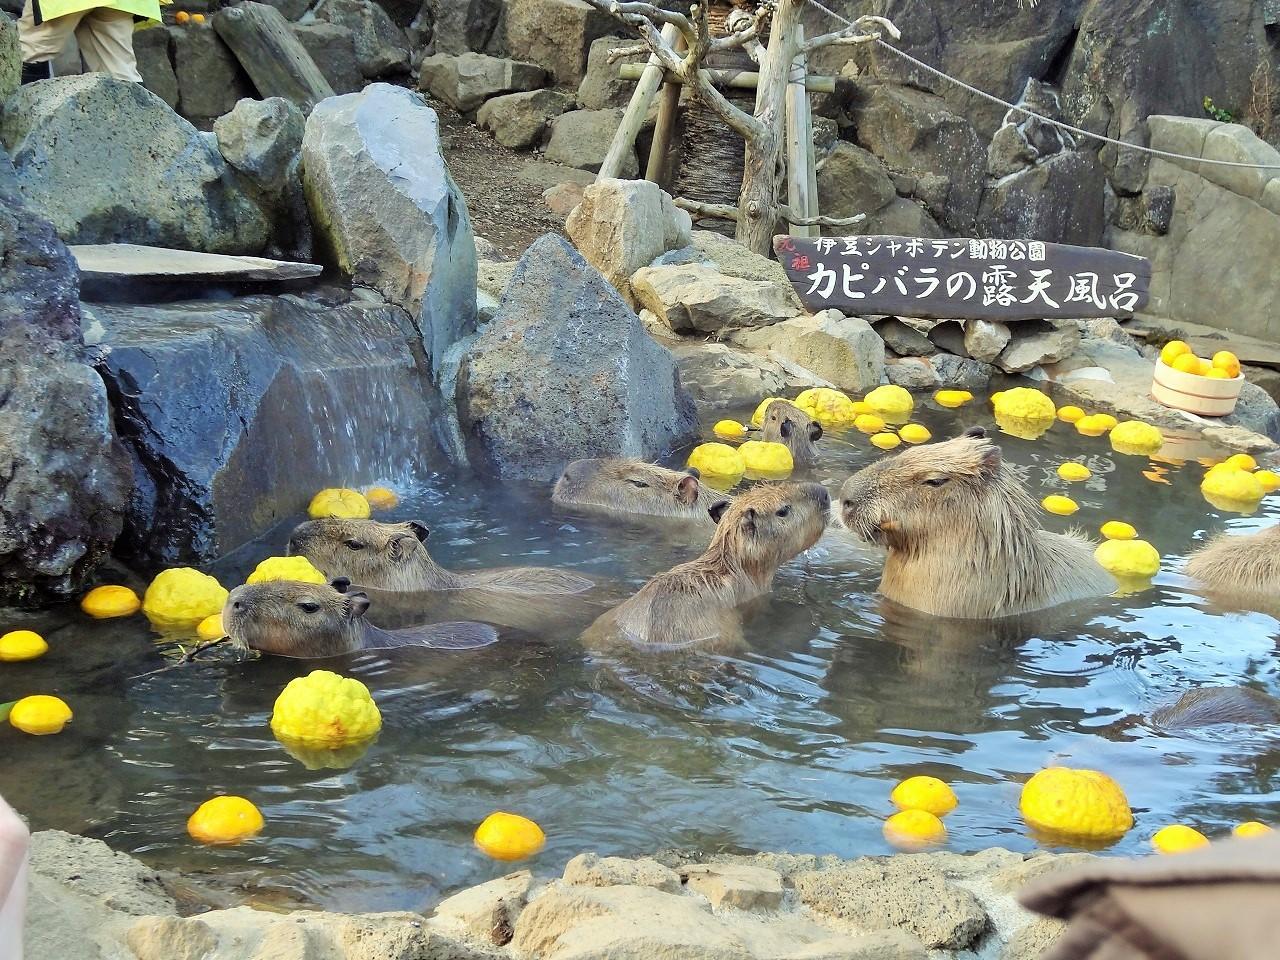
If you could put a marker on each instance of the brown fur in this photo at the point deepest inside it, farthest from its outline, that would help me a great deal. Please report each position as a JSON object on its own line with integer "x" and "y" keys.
{"x": 696, "y": 603}
{"x": 1205, "y": 706}
{"x": 617, "y": 485}
{"x": 963, "y": 534}
{"x": 393, "y": 556}
{"x": 787, "y": 424}
{"x": 1241, "y": 570}
{"x": 292, "y": 619}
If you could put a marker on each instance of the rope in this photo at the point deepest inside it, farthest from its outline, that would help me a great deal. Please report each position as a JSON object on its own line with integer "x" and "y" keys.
{"x": 1031, "y": 113}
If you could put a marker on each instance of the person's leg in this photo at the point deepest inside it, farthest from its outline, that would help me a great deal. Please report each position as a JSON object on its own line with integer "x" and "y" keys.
{"x": 106, "y": 41}
{"x": 15, "y": 841}
{"x": 40, "y": 43}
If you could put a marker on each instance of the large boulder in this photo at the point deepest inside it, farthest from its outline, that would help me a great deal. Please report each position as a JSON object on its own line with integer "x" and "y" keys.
{"x": 718, "y": 375}
{"x": 66, "y": 477}
{"x": 690, "y": 297}
{"x": 557, "y": 34}
{"x": 852, "y": 180}
{"x": 333, "y": 48}
{"x": 153, "y": 51}
{"x": 210, "y": 78}
{"x": 566, "y": 370}
{"x": 292, "y": 395}
{"x": 844, "y": 351}
{"x": 148, "y": 176}
{"x": 467, "y": 80}
{"x": 521, "y": 120}
{"x": 601, "y": 86}
{"x": 462, "y": 25}
{"x": 381, "y": 47}
{"x": 382, "y": 198}
{"x": 1057, "y": 200}
{"x": 581, "y": 138}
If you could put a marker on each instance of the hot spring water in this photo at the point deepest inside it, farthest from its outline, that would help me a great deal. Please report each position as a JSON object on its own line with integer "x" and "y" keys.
{"x": 792, "y": 746}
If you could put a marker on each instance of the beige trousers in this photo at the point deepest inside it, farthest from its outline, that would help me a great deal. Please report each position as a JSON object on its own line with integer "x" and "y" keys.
{"x": 104, "y": 35}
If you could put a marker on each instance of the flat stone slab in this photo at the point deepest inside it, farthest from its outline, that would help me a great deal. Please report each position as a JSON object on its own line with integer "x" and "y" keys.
{"x": 104, "y": 260}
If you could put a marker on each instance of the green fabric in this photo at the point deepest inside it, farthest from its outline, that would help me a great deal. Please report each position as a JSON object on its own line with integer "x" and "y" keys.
{"x": 52, "y": 9}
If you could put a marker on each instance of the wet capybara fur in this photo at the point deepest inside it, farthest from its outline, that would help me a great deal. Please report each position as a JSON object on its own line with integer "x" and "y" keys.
{"x": 787, "y": 424}
{"x": 288, "y": 618}
{"x": 964, "y": 535}
{"x": 695, "y": 604}
{"x": 1241, "y": 570}
{"x": 393, "y": 556}
{"x": 1205, "y": 706}
{"x": 617, "y": 485}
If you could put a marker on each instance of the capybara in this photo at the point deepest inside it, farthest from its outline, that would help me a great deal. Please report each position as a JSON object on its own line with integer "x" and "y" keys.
{"x": 696, "y": 604}
{"x": 617, "y": 485}
{"x": 787, "y": 424}
{"x": 393, "y": 556}
{"x": 293, "y": 619}
{"x": 1205, "y": 706}
{"x": 1241, "y": 570}
{"x": 963, "y": 535}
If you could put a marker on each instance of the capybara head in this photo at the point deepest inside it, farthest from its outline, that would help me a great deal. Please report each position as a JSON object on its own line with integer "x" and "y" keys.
{"x": 293, "y": 619}
{"x": 767, "y": 525}
{"x": 367, "y": 552}
{"x": 787, "y": 424}
{"x": 629, "y": 486}
{"x": 934, "y": 491}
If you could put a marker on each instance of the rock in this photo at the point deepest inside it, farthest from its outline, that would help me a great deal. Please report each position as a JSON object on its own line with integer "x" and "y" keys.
{"x": 737, "y": 886}
{"x": 333, "y": 48}
{"x": 91, "y": 869}
{"x": 852, "y": 180}
{"x": 492, "y": 276}
{"x": 901, "y": 218}
{"x": 962, "y": 373}
{"x": 1058, "y": 200}
{"x": 562, "y": 198}
{"x": 696, "y": 296}
{"x": 152, "y": 50}
{"x": 10, "y": 59}
{"x": 903, "y": 339}
{"x": 581, "y": 138}
{"x": 479, "y": 912}
{"x": 985, "y": 339}
{"x": 844, "y": 351}
{"x": 462, "y": 25}
{"x": 557, "y": 35}
{"x": 147, "y": 177}
{"x": 876, "y": 896}
{"x": 171, "y": 938}
{"x": 718, "y": 376}
{"x": 881, "y": 945}
{"x": 381, "y": 47}
{"x": 1009, "y": 152}
{"x": 623, "y": 225}
{"x": 1159, "y": 201}
{"x": 567, "y": 371}
{"x": 915, "y": 132}
{"x": 467, "y": 80}
{"x": 948, "y": 335}
{"x": 276, "y": 61}
{"x": 734, "y": 260}
{"x": 210, "y": 80}
{"x": 1013, "y": 878}
{"x": 1036, "y": 342}
{"x": 1033, "y": 939}
{"x": 601, "y": 86}
{"x": 521, "y": 120}
{"x": 66, "y": 478}
{"x": 293, "y": 392}
{"x": 60, "y": 923}
{"x": 911, "y": 373}
{"x": 402, "y": 229}
{"x": 1022, "y": 140}
{"x": 589, "y": 870}
{"x": 118, "y": 261}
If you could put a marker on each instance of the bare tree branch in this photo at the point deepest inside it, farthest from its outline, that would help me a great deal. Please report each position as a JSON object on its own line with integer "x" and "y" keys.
{"x": 716, "y": 211}
{"x": 785, "y": 213}
{"x": 630, "y": 12}
{"x": 621, "y": 53}
{"x": 745, "y": 31}
{"x": 854, "y": 33}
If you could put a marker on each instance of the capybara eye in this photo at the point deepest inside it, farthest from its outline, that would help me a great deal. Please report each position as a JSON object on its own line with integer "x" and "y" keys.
{"x": 354, "y": 545}
{"x": 783, "y": 511}
{"x": 308, "y": 607}
{"x": 638, "y": 483}
{"x": 936, "y": 481}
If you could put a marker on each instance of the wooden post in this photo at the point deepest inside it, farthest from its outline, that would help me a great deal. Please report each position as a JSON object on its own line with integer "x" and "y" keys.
{"x": 624, "y": 138}
{"x": 734, "y": 79}
{"x": 660, "y": 149}
{"x": 800, "y": 174}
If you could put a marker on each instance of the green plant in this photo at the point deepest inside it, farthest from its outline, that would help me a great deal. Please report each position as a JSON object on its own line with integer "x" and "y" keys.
{"x": 1217, "y": 112}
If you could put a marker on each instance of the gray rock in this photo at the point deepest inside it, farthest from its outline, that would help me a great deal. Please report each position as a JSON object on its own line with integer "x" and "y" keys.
{"x": 1009, "y": 152}
{"x": 566, "y": 371}
{"x": 881, "y": 945}
{"x": 688, "y": 297}
{"x": 1023, "y": 140}
{"x": 734, "y": 885}
{"x": 152, "y": 50}
{"x": 852, "y": 180}
{"x": 581, "y": 138}
{"x": 273, "y": 57}
{"x": 479, "y": 912}
{"x": 290, "y": 9}
{"x": 10, "y": 59}
{"x": 1033, "y": 939}
{"x": 733, "y": 260}
{"x": 1036, "y": 342}
{"x": 948, "y": 335}
{"x": 492, "y": 276}
{"x": 400, "y": 228}
{"x": 467, "y": 80}
{"x": 985, "y": 339}
{"x": 91, "y": 869}
{"x": 719, "y": 376}
{"x": 911, "y": 373}
{"x": 1059, "y": 200}
{"x": 210, "y": 80}
{"x": 841, "y": 350}
{"x": 590, "y": 870}
{"x": 1160, "y": 201}
{"x": 462, "y": 25}
{"x": 147, "y": 177}
{"x": 381, "y": 47}
{"x": 522, "y": 120}
{"x": 903, "y": 339}
{"x": 601, "y": 86}
{"x": 293, "y": 396}
{"x": 557, "y": 35}
{"x": 333, "y": 48}
{"x": 962, "y": 373}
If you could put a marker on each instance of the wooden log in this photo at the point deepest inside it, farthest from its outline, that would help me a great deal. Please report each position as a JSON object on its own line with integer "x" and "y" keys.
{"x": 275, "y": 60}
{"x": 735, "y": 79}
{"x": 660, "y": 150}
{"x": 800, "y": 199}
{"x": 624, "y": 138}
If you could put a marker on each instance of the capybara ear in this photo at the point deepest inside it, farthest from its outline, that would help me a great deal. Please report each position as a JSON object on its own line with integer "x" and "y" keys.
{"x": 687, "y": 490}
{"x": 693, "y": 472}
{"x": 357, "y": 604}
{"x": 976, "y": 433}
{"x": 717, "y": 509}
{"x": 340, "y": 584}
{"x": 991, "y": 460}
{"x": 786, "y": 429}
{"x": 419, "y": 530}
{"x": 815, "y": 431}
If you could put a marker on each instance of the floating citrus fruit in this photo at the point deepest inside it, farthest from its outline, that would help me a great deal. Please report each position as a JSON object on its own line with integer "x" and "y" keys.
{"x": 1268, "y": 480}
{"x": 729, "y": 429}
{"x": 1232, "y": 484}
{"x": 1173, "y": 350}
{"x": 1084, "y": 804}
{"x": 103, "y": 603}
{"x": 767, "y": 459}
{"x": 509, "y": 836}
{"x": 1070, "y": 414}
{"x": 381, "y": 498}
{"x": 1023, "y": 427}
{"x": 859, "y": 407}
{"x": 952, "y": 398}
{"x": 1251, "y": 828}
{"x": 1227, "y": 362}
{"x": 868, "y": 423}
{"x": 890, "y": 400}
{"x": 40, "y": 715}
{"x": 1136, "y": 437}
{"x": 225, "y": 820}
{"x": 286, "y": 568}
{"x": 1118, "y": 530}
{"x": 18, "y": 645}
{"x": 718, "y": 462}
{"x": 182, "y": 597}
{"x": 914, "y": 830}
{"x": 831, "y": 408}
{"x": 339, "y": 502}
{"x": 757, "y": 418}
{"x": 1095, "y": 425}
{"x": 323, "y": 709}
{"x": 1128, "y": 559}
{"x": 1241, "y": 461}
{"x": 914, "y": 433}
{"x": 1178, "y": 838}
{"x": 1024, "y": 403}
{"x": 1074, "y": 471}
{"x": 197, "y": 18}
{"x": 1062, "y": 506}
{"x": 210, "y": 628}
{"x": 886, "y": 441}
{"x": 924, "y": 793}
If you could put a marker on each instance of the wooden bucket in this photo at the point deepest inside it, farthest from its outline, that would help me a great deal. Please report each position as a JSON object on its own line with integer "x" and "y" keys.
{"x": 1193, "y": 393}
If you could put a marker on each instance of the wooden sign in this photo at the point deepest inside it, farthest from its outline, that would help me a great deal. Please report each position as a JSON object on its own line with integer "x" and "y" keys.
{"x": 963, "y": 279}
